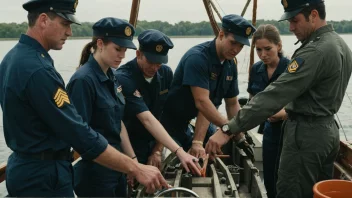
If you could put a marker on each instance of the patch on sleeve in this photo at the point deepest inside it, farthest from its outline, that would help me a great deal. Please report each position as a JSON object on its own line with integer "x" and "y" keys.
{"x": 213, "y": 76}
{"x": 61, "y": 98}
{"x": 163, "y": 91}
{"x": 137, "y": 94}
{"x": 119, "y": 89}
{"x": 294, "y": 65}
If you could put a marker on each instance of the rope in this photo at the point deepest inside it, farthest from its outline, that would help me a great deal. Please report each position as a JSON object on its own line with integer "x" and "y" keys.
{"x": 254, "y": 23}
{"x": 245, "y": 8}
{"x": 215, "y": 9}
{"x": 223, "y": 12}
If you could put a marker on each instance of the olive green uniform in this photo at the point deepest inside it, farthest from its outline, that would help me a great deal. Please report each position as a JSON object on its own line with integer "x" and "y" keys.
{"x": 311, "y": 90}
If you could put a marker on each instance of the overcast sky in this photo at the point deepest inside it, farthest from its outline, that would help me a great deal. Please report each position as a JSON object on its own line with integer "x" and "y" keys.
{"x": 172, "y": 11}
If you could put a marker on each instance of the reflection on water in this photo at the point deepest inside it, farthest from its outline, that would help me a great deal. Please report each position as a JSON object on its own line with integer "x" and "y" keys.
{"x": 67, "y": 59}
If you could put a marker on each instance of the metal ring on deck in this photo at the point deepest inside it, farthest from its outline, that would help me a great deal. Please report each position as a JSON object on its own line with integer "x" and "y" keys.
{"x": 177, "y": 189}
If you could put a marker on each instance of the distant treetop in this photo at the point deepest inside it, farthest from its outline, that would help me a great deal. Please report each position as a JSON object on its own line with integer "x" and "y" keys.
{"x": 183, "y": 28}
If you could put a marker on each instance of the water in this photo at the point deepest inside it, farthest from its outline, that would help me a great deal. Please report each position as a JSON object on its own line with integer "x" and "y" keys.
{"x": 67, "y": 59}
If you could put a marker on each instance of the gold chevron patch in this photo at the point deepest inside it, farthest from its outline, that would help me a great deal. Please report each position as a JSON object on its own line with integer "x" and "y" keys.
{"x": 61, "y": 98}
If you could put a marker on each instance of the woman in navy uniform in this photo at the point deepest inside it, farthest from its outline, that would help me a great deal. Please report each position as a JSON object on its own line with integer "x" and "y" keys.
{"x": 97, "y": 96}
{"x": 145, "y": 83}
{"x": 268, "y": 45}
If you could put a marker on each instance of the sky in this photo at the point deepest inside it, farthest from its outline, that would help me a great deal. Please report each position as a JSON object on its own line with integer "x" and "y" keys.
{"x": 172, "y": 11}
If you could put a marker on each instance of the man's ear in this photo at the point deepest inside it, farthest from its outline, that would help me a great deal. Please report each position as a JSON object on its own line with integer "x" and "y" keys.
{"x": 42, "y": 20}
{"x": 138, "y": 54}
{"x": 314, "y": 16}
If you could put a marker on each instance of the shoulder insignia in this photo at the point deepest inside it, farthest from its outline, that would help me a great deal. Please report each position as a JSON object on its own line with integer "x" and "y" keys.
{"x": 294, "y": 65}
{"x": 235, "y": 60}
{"x": 137, "y": 94}
{"x": 163, "y": 91}
{"x": 119, "y": 89}
{"x": 61, "y": 98}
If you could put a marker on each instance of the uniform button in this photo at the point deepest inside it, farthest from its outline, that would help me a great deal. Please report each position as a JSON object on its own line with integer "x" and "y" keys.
{"x": 43, "y": 55}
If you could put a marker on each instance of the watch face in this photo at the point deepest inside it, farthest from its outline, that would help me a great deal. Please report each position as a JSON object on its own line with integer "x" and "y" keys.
{"x": 225, "y": 128}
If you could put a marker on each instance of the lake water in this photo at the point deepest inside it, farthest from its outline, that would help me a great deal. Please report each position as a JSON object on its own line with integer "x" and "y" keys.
{"x": 67, "y": 59}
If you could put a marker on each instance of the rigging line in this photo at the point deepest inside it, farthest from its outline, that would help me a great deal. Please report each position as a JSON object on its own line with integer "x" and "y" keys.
{"x": 338, "y": 118}
{"x": 215, "y": 9}
{"x": 244, "y": 60}
{"x": 349, "y": 98}
{"x": 223, "y": 12}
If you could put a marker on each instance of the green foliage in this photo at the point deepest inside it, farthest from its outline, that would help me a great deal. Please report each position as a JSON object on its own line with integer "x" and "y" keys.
{"x": 183, "y": 28}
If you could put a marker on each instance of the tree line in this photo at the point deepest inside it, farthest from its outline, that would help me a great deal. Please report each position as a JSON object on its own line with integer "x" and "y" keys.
{"x": 183, "y": 28}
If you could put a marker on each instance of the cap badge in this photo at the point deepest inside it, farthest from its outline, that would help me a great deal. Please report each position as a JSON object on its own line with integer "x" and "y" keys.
{"x": 159, "y": 48}
{"x": 75, "y": 5}
{"x": 284, "y": 2}
{"x": 248, "y": 31}
{"x": 128, "y": 31}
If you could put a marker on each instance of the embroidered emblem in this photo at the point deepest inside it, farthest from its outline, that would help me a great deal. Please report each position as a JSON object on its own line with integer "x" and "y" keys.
{"x": 119, "y": 89}
{"x": 229, "y": 78}
{"x": 284, "y": 2}
{"x": 61, "y": 98}
{"x": 248, "y": 31}
{"x": 213, "y": 76}
{"x": 159, "y": 48}
{"x": 128, "y": 31}
{"x": 292, "y": 67}
{"x": 75, "y": 5}
{"x": 163, "y": 91}
{"x": 137, "y": 94}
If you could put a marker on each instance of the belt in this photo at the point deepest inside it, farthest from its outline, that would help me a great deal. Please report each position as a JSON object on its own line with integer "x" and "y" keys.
{"x": 64, "y": 154}
{"x": 308, "y": 118}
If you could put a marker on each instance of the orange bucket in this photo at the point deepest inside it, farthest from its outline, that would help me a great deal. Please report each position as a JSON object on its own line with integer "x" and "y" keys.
{"x": 333, "y": 189}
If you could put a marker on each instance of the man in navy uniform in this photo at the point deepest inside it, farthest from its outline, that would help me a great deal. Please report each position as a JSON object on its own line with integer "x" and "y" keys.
{"x": 206, "y": 75}
{"x": 145, "y": 84}
{"x": 311, "y": 90}
{"x": 40, "y": 123}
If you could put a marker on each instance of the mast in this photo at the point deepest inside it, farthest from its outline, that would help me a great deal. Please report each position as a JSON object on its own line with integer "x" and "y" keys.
{"x": 213, "y": 23}
{"x": 254, "y": 23}
{"x": 134, "y": 12}
{"x": 245, "y": 8}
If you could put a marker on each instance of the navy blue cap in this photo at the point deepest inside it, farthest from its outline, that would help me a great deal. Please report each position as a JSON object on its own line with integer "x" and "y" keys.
{"x": 239, "y": 27}
{"x": 64, "y": 8}
{"x": 293, "y": 7}
{"x": 155, "y": 45}
{"x": 116, "y": 30}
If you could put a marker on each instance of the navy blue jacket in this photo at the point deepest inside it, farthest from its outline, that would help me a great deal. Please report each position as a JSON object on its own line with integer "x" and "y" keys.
{"x": 37, "y": 113}
{"x": 152, "y": 96}
{"x": 199, "y": 67}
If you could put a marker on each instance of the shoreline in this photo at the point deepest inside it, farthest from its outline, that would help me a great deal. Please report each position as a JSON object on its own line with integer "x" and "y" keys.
{"x": 188, "y": 36}
{"x": 87, "y": 37}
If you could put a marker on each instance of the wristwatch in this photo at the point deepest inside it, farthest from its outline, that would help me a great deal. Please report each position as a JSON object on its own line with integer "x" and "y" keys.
{"x": 226, "y": 129}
